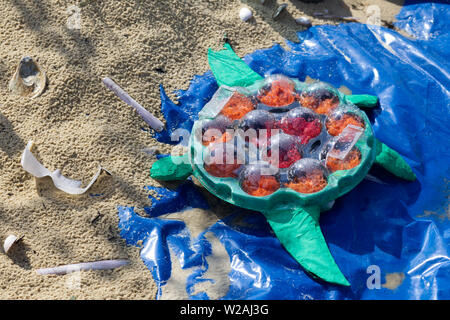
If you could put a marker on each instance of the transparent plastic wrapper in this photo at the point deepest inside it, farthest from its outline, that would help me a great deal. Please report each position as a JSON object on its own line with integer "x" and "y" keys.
{"x": 344, "y": 143}
{"x": 351, "y": 160}
{"x": 217, "y": 102}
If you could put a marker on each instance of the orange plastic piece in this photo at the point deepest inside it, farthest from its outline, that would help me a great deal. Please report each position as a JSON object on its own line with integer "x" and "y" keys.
{"x": 222, "y": 170}
{"x": 237, "y": 106}
{"x": 227, "y": 136}
{"x": 352, "y": 159}
{"x": 264, "y": 186}
{"x": 322, "y": 107}
{"x": 281, "y": 93}
{"x": 336, "y": 126}
{"x": 313, "y": 182}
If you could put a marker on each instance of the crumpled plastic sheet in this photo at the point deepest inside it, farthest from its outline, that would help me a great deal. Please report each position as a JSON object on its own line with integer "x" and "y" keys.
{"x": 391, "y": 239}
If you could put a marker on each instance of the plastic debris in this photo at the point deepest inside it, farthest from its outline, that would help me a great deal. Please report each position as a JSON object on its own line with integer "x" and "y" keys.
{"x": 320, "y": 13}
{"x": 278, "y": 11}
{"x": 347, "y": 19}
{"x": 150, "y": 119}
{"x": 345, "y": 142}
{"x": 33, "y": 166}
{"x": 9, "y": 242}
{"x": 304, "y": 21}
{"x": 29, "y": 80}
{"x": 151, "y": 151}
{"x": 97, "y": 265}
{"x": 245, "y": 14}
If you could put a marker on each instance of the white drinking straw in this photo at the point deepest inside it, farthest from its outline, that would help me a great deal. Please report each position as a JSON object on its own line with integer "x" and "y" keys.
{"x": 150, "y": 119}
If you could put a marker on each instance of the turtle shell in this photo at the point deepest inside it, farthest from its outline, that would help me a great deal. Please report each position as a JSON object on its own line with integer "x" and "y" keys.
{"x": 299, "y": 144}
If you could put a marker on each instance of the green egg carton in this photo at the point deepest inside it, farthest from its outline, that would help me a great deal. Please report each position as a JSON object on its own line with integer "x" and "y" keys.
{"x": 339, "y": 182}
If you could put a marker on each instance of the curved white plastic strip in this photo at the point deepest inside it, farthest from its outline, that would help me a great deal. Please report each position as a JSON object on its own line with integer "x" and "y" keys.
{"x": 98, "y": 265}
{"x": 33, "y": 166}
{"x": 9, "y": 242}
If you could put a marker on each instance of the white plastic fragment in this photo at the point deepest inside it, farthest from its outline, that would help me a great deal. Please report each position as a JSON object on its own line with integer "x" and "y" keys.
{"x": 348, "y": 19}
{"x": 150, "y": 119}
{"x": 217, "y": 102}
{"x": 279, "y": 10}
{"x": 304, "y": 21}
{"x": 345, "y": 142}
{"x": 9, "y": 242}
{"x": 33, "y": 166}
{"x": 151, "y": 151}
{"x": 245, "y": 14}
{"x": 97, "y": 265}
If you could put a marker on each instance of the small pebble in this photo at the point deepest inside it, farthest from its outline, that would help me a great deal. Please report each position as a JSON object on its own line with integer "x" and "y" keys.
{"x": 245, "y": 14}
{"x": 304, "y": 21}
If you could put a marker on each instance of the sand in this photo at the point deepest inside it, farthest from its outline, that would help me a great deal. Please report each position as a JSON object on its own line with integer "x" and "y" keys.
{"x": 76, "y": 124}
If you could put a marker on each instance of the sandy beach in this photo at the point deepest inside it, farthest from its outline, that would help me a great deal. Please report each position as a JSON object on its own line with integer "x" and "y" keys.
{"x": 76, "y": 124}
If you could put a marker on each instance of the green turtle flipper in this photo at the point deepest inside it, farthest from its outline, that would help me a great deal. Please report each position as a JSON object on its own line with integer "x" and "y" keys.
{"x": 229, "y": 69}
{"x": 299, "y": 232}
{"x": 171, "y": 168}
{"x": 393, "y": 162}
{"x": 362, "y": 100}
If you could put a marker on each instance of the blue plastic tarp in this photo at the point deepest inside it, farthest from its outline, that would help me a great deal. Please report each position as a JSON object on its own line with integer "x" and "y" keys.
{"x": 389, "y": 237}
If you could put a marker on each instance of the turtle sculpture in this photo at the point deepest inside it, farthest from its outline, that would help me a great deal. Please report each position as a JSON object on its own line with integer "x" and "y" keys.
{"x": 285, "y": 148}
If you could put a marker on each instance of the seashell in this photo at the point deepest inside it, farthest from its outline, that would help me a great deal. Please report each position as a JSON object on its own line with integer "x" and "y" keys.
{"x": 245, "y": 14}
{"x": 279, "y": 10}
{"x": 9, "y": 242}
{"x": 29, "y": 80}
{"x": 304, "y": 21}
